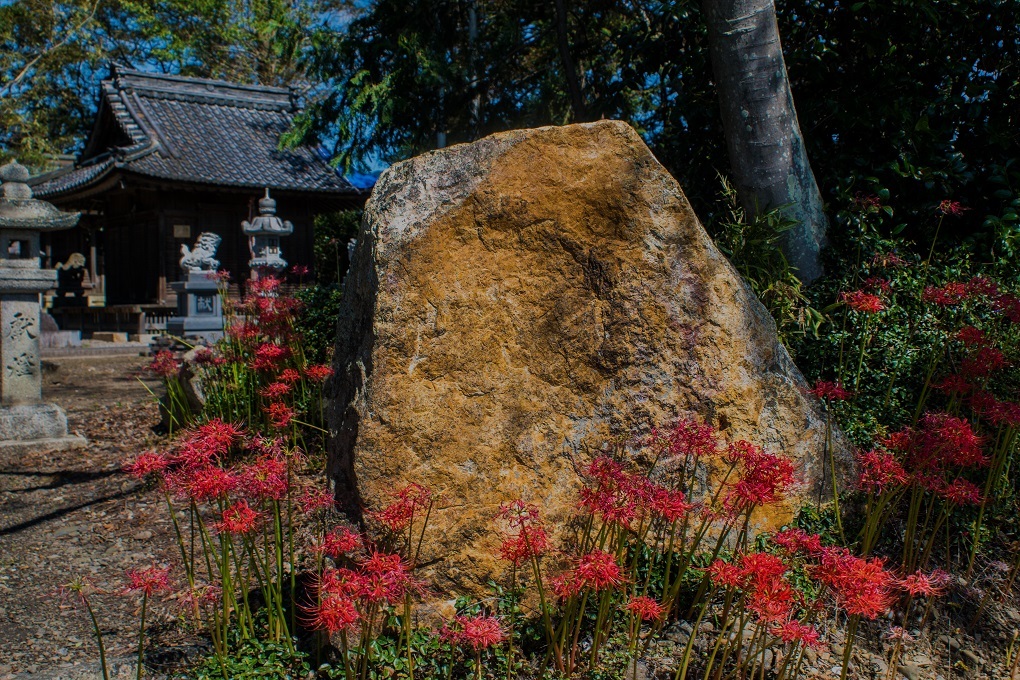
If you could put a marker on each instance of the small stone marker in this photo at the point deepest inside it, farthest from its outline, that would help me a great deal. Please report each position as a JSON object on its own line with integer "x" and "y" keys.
{"x": 26, "y": 423}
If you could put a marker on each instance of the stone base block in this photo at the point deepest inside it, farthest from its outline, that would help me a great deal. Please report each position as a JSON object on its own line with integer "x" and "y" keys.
{"x": 107, "y": 336}
{"x": 35, "y": 428}
{"x": 17, "y": 448}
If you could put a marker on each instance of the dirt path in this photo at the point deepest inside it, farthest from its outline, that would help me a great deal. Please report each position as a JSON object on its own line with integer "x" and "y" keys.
{"x": 70, "y": 514}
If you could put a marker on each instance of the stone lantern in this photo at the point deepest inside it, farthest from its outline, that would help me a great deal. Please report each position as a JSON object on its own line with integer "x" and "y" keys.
{"x": 26, "y": 423}
{"x": 264, "y": 233}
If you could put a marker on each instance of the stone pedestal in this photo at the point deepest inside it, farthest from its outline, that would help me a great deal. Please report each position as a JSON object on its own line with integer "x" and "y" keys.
{"x": 199, "y": 310}
{"x": 26, "y": 423}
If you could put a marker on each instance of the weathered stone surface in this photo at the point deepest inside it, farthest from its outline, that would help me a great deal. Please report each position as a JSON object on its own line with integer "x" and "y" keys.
{"x": 511, "y": 304}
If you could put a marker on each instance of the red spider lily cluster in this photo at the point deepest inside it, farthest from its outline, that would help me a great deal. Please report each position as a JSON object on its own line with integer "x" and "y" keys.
{"x": 523, "y": 536}
{"x": 477, "y": 632}
{"x": 832, "y": 391}
{"x": 148, "y": 581}
{"x": 164, "y": 364}
{"x": 862, "y": 301}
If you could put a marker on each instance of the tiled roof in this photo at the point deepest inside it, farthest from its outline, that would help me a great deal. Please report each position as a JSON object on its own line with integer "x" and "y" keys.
{"x": 196, "y": 130}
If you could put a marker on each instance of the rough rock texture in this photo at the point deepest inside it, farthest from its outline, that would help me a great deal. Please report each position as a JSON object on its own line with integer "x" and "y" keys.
{"x": 513, "y": 302}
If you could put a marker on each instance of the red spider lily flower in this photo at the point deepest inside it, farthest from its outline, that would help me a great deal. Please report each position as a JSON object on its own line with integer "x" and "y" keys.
{"x": 927, "y": 585}
{"x": 276, "y": 390}
{"x": 203, "y": 483}
{"x": 413, "y": 499}
{"x": 289, "y": 375}
{"x": 396, "y": 516}
{"x": 216, "y": 435}
{"x": 795, "y": 631}
{"x": 961, "y": 492}
{"x": 953, "y": 293}
{"x": 300, "y": 270}
{"x": 202, "y": 596}
{"x": 948, "y": 207}
{"x": 239, "y": 518}
{"x": 770, "y": 594}
{"x": 279, "y": 414}
{"x": 691, "y": 438}
{"x": 832, "y": 391}
{"x": 415, "y": 495}
{"x": 888, "y": 260}
{"x": 243, "y": 331}
{"x": 612, "y": 493}
{"x": 983, "y": 362}
{"x": 150, "y": 580}
{"x": 866, "y": 202}
{"x": 861, "y": 586}
{"x": 164, "y": 364}
{"x": 318, "y": 373}
{"x": 798, "y": 540}
{"x": 971, "y": 336}
{"x": 221, "y": 276}
{"x": 265, "y": 479}
{"x": 206, "y": 356}
{"x": 979, "y": 285}
{"x": 268, "y": 356}
{"x": 670, "y": 505}
{"x": 997, "y": 412}
{"x": 339, "y": 542}
{"x": 564, "y": 586}
{"x": 900, "y": 634}
{"x": 518, "y": 513}
{"x": 526, "y": 537}
{"x": 877, "y": 284}
{"x": 529, "y": 542}
{"x": 598, "y": 571}
{"x": 863, "y": 302}
{"x": 953, "y": 383}
{"x": 316, "y": 499}
{"x": 333, "y": 614}
{"x": 725, "y": 574}
{"x": 387, "y": 578}
{"x": 879, "y": 470}
{"x": 480, "y": 632}
{"x": 945, "y": 440}
{"x": 265, "y": 285}
{"x": 645, "y": 608}
{"x": 148, "y": 463}
{"x": 1008, "y": 305}
{"x": 343, "y": 582}
{"x": 764, "y": 479}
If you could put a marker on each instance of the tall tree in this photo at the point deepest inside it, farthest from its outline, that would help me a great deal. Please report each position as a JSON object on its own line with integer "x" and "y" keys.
{"x": 54, "y": 52}
{"x": 768, "y": 159}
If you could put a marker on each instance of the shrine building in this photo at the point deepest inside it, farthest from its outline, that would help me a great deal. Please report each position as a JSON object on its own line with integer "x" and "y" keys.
{"x": 169, "y": 158}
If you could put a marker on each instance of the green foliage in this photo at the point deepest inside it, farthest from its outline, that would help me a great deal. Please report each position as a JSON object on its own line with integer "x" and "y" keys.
{"x": 333, "y": 231}
{"x": 320, "y": 307}
{"x": 316, "y": 321}
{"x": 755, "y": 248}
{"x": 254, "y": 659}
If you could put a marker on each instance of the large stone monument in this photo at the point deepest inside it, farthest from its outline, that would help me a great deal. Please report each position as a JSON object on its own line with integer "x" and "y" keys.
{"x": 26, "y": 422}
{"x": 515, "y": 302}
{"x": 264, "y": 234}
{"x": 199, "y": 307}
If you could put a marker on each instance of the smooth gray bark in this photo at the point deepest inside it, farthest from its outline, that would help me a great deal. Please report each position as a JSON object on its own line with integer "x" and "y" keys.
{"x": 769, "y": 165}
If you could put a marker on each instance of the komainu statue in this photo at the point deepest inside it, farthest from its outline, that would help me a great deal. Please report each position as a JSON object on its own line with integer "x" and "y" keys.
{"x": 203, "y": 256}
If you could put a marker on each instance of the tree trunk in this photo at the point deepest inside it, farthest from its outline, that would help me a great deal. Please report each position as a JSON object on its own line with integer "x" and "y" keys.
{"x": 569, "y": 71}
{"x": 769, "y": 164}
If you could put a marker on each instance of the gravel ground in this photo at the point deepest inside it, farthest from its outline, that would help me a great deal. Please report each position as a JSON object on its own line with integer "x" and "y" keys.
{"x": 70, "y": 514}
